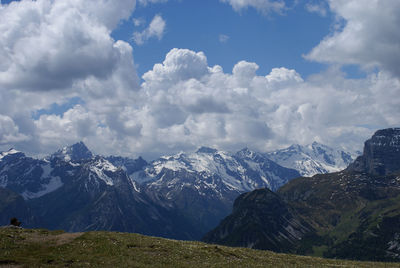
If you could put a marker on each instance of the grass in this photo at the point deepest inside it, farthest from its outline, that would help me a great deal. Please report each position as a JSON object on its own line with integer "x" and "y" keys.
{"x": 43, "y": 248}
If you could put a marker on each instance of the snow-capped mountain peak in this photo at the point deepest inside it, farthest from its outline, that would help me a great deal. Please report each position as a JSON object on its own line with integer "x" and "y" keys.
{"x": 246, "y": 152}
{"x": 75, "y": 152}
{"x": 312, "y": 159}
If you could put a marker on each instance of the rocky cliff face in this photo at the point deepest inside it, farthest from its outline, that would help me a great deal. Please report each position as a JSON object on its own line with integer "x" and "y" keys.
{"x": 381, "y": 153}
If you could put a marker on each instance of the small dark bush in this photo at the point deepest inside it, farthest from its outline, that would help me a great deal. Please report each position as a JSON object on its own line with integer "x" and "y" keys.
{"x": 14, "y": 221}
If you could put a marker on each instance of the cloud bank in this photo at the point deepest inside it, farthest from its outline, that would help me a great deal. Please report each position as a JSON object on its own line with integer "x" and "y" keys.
{"x": 181, "y": 103}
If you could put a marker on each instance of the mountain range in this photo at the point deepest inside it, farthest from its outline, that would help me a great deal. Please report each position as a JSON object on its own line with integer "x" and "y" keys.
{"x": 351, "y": 214}
{"x": 177, "y": 196}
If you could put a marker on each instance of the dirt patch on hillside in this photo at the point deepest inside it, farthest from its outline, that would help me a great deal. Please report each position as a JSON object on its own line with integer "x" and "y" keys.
{"x": 58, "y": 240}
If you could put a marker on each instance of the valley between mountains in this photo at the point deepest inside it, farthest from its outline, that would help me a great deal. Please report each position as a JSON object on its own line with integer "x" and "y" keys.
{"x": 311, "y": 200}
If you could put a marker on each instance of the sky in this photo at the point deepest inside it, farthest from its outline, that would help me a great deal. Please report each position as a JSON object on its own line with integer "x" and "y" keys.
{"x": 155, "y": 77}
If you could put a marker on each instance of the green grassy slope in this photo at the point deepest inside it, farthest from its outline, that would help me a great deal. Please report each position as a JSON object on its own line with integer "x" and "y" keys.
{"x": 42, "y": 248}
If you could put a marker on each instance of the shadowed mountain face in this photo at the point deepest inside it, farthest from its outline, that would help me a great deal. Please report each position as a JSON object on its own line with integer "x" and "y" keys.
{"x": 353, "y": 214}
{"x": 260, "y": 219}
{"x": 13, "y": 205}
{"x": 76, "y": 152}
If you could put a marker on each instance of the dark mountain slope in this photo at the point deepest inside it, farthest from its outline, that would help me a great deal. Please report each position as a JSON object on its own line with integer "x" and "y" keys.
{"x": 13, "y": 205}
{"x": 261, "y": 219}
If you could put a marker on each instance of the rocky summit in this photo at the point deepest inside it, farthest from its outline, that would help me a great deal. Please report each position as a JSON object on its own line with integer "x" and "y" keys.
{"x": 381, "y": 153}
{"x": 352, "y": 214}
{"x": 76, "y": 152}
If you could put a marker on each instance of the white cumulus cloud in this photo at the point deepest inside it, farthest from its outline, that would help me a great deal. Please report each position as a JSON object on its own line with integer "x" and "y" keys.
{"x": 138, "y": 21}
{"x": 54, "y": 51}
{"x": 370, "y": 36}
{"x": 48, "y": 45}
{"x": 223, "y": 38}
{"x": 155, "y": 29}
{"x": 9, "y": 132}
{"x": 179, "y": 64}
{"x": 318, "y": 7}
{"x": 146, "y": 2}
{"x": 263, "y": 6}
{"x": 246, "y": 109}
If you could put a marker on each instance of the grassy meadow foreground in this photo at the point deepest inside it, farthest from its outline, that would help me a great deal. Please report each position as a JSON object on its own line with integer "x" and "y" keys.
{"x": 41, "y": 248}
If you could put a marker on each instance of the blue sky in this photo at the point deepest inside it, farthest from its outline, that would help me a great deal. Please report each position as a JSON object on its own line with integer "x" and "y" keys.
{"x": 272, "y": 40}
{"x": 142, "y": 78}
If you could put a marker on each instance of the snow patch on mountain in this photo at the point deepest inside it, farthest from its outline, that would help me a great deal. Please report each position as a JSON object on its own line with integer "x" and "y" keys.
{"x": 101, "y": 167}
{"x": 47, "y": 169}
{"x": 51, "y": 184}
{"x": 171, "y": 163}
{"x": 9, "y": 152}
